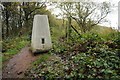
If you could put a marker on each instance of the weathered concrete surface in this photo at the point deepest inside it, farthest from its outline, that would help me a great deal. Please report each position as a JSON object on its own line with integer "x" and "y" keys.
{"x": 41, "y": 40}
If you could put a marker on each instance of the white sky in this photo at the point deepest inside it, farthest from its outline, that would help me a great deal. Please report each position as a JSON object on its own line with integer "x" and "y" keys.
{"x": 112, "y": 17}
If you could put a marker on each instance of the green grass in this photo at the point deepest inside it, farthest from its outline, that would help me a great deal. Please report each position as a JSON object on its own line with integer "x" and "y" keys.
{"x": 16, "y": 48}
{"x": 4, "y": 58}
{"x": 21, "y": 44}
{"x": 13, "y": 46}
{"x": 11, "y": 52}
{"x": 104, "y": 32}
{"x": 42, "y": 58}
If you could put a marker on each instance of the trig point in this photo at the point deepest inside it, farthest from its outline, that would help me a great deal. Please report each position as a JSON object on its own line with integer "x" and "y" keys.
{"x": 41, "y": 40}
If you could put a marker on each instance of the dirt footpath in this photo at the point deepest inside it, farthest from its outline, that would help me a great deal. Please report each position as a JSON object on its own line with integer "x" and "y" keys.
{"x": 17, "y": 65}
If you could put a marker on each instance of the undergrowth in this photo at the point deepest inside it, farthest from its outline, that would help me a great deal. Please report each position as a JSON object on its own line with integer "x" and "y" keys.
{"x": 42, "y": 58}
{"x": 13, "y": 46}
{"x": 85, "y": 56}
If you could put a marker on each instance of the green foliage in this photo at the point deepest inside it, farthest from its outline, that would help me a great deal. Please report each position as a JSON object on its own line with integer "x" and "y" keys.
{"x": 16, "y": 48}
{"x": 85, "y": 56}
{"x": 21, "y": 44}
{"x": 13, "y": 46}
{"x": 11, "y": 52}
{"x": 104, "y": 32}
{"x": 42, "y": 58}
{"x": 3, "y": 58}
{"x": 57, "y": 50}
{"x": 116, "y": 37}
{"x": 56, "y": 33}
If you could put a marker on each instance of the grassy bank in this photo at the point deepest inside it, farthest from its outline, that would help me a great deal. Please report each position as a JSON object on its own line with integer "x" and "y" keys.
{"x": 12, "y": 46}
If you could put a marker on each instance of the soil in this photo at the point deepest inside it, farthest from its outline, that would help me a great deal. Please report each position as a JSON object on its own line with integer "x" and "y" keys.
{"x": 18, "y": 64}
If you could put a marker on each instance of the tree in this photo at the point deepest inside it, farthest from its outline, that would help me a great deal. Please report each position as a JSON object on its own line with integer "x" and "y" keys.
{"x": 88, "y": 14}
{"x": 85, "y": 13}
{"x": 26, "y": 12}
{"x": 18, "y": 16}
{"x": 67, "y": 8}
{"x": 6, "y": 12}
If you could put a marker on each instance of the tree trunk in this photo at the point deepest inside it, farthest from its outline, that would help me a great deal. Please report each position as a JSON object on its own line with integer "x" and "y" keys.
{"x": 7, "y": 24}
{"x": 69, "y": 28}
{"x": 75, "y": 29}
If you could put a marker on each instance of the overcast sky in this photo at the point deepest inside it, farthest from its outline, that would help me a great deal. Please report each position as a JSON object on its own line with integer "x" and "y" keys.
{"x": 112, "y": 17}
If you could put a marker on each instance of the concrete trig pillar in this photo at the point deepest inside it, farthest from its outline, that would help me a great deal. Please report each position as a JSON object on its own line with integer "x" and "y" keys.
{"x": 41, "y": 40}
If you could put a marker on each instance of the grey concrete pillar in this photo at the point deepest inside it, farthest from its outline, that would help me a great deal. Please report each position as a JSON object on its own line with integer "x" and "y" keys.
{"x": 41, "y": 40}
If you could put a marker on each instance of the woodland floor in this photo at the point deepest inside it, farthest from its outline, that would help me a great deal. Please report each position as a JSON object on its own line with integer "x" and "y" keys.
{"x": 17, "y": 65}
